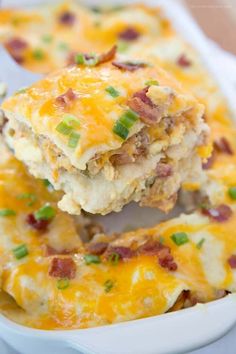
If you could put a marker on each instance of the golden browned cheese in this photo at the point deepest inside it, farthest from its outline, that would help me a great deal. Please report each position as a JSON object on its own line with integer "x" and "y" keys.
{"x": 140, "y": 286}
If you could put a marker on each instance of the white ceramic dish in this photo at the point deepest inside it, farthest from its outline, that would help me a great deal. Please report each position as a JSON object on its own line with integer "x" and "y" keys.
{"x": 171, "y": 333}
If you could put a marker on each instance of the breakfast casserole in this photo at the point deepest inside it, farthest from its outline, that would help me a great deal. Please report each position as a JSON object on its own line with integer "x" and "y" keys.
{"x": 49, "y": 278}
{"x": 107, "y": 133}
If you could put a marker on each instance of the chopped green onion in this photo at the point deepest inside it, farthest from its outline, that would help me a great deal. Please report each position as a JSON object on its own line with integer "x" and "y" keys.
{"x": 112, "y": 91}
{"x": 7, "y": 212}
{"x": 22, "y": 90}
{"x": 63, "y": 46}
{"x": 180, "y": 238}
{"x": 32, "y": 197}
{"x": 47, "y": 184}
{"x": 63, "y": 128}
{"x": 20, "y": 251}
{"x": 45, "y": 213}
{"x": 38, "y": 54}
{"x": 73, "y": 140}
{"x": 200, "y": 243}
{"x": 128, "y": 118}
{"x": 47, "y": 38}
{"x": 92, "y": 259}
{"x": 122, "y": 46}
{"x": 63, "y": 283}
{"x": 114, "y": 258}
{"x": 120, "y": 130}
{"x": 80, "y": 59}
{"x": 161, "y": 239}
{"x": 108, "y": 285}
{"x": 232, "y": 193}
{"x": 152, "y": 83}
{"x": 96, "y": 9}
{"x": 71, "y": 120}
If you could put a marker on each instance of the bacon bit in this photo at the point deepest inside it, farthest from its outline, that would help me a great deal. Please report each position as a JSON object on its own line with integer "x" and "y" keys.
{"x": 50, "y": 251}
{"x": 3, "y": 120}
{"x": 62, "y": 268}
{"x": 141, "y": 104}
{"x": 155, "y": 248}
{"x": 131, "y": 150}
{"x": 222, "y": 145}
{"x": 66, "y": 98}
{"x": 184, "y": 61}
{"x": 67, "y": 18}
{"x": 163, "y": 170}
{"x": 123, "y": 252}
{"x": 16, "y": 47}
{"x": 108, "y": 56}
{"x": 221, "y": 213}
{"x": 129, "y": 34}
{"x": 97, "y": 248}
{"x": 232, "y": 261}
{"x": 209, "y": 163}
{"x": 129, "y": 65}
{"x": 39, "y": 225}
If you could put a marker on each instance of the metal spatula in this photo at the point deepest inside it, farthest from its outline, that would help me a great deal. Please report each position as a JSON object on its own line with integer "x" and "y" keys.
{"x": 13, "y": 75}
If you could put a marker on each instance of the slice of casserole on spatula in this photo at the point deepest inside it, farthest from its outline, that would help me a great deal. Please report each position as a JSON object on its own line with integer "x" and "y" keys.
{"x": 108, "y": 131}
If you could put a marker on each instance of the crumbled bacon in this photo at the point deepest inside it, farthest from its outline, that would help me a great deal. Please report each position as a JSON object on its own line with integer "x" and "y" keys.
{"x": 62, "y": 268}
{"x": 123, "y": 252}
{"x": 232, "y": 261}
{"x": 107, "y": 56}
{"x": 67, "y": 18}
{"x": 183, "y": 61}
{"x": 149, "y": 112}
{"x": 129, "y": 34}
{"x": 66, "y": 98}
{"x": 16, "y": 47}
{"x": 221, "y": 213}
{"x": 163, "y": 170}
{"x": 3, "y": 120}
{"x": 39, "y": 225}
{"x": 209, "y": 163}
{"x": 155, "y": 248}
{"x": 129, "y": 65}
{"x": 222, "y": 145}
{"x": 50, "y": 251}
{"x": 97, "y": 248}
{"x": 131, "y": 150}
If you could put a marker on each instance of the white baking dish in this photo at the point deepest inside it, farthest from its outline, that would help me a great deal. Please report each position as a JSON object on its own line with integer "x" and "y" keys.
{"x": 171, "y": 333}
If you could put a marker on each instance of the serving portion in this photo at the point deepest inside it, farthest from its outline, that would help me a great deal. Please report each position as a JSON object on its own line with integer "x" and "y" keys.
{"x": 106, "y": 124}
{"x": 108, "y": 133}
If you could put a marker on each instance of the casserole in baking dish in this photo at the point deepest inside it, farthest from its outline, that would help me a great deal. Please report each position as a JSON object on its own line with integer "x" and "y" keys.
{"x": 125, "y": 273}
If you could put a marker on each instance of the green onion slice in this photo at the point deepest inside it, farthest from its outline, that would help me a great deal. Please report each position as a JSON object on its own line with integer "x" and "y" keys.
{"x": 47, "y": 38}
{"x": 20, "y": 251}
{"x": 38, "y": 54}
{"x": 114, "y": 258}
{"x": 73, "y": 140}
{"x": 92, "y": 259}
{"x": 120, "y": 130}
{"x": 64, "y": 128}
{"x": 48, "y": 184}
{"x": 200, "y": 243}
{"x": 122, "y": 46}
{"x": 112, "y": 91}
{"x": 152, "y": 83}
{"x": 45, "y": 213}
{"x": 63, "y": 46}
{"x": 7, "y": 212}
{"x": 108, "y": 285}
{"x": 71, "y": 120}
{"x": 232, "y": 192}
{"x": 128, "y": 118}
{"x": 80, "y": 59}
{"x": 63, "y": 283}
{"x": 180, "y": 238}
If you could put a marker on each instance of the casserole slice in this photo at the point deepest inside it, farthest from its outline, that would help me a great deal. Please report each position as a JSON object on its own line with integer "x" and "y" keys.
{"x": 106, "y": 132}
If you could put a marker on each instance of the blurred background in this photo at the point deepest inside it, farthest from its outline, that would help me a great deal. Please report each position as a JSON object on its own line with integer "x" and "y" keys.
{"x": 218, "y": 20}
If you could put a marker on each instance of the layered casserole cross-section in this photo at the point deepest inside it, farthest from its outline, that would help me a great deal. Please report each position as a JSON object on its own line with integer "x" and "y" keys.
{"x": 108, "y": 131}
